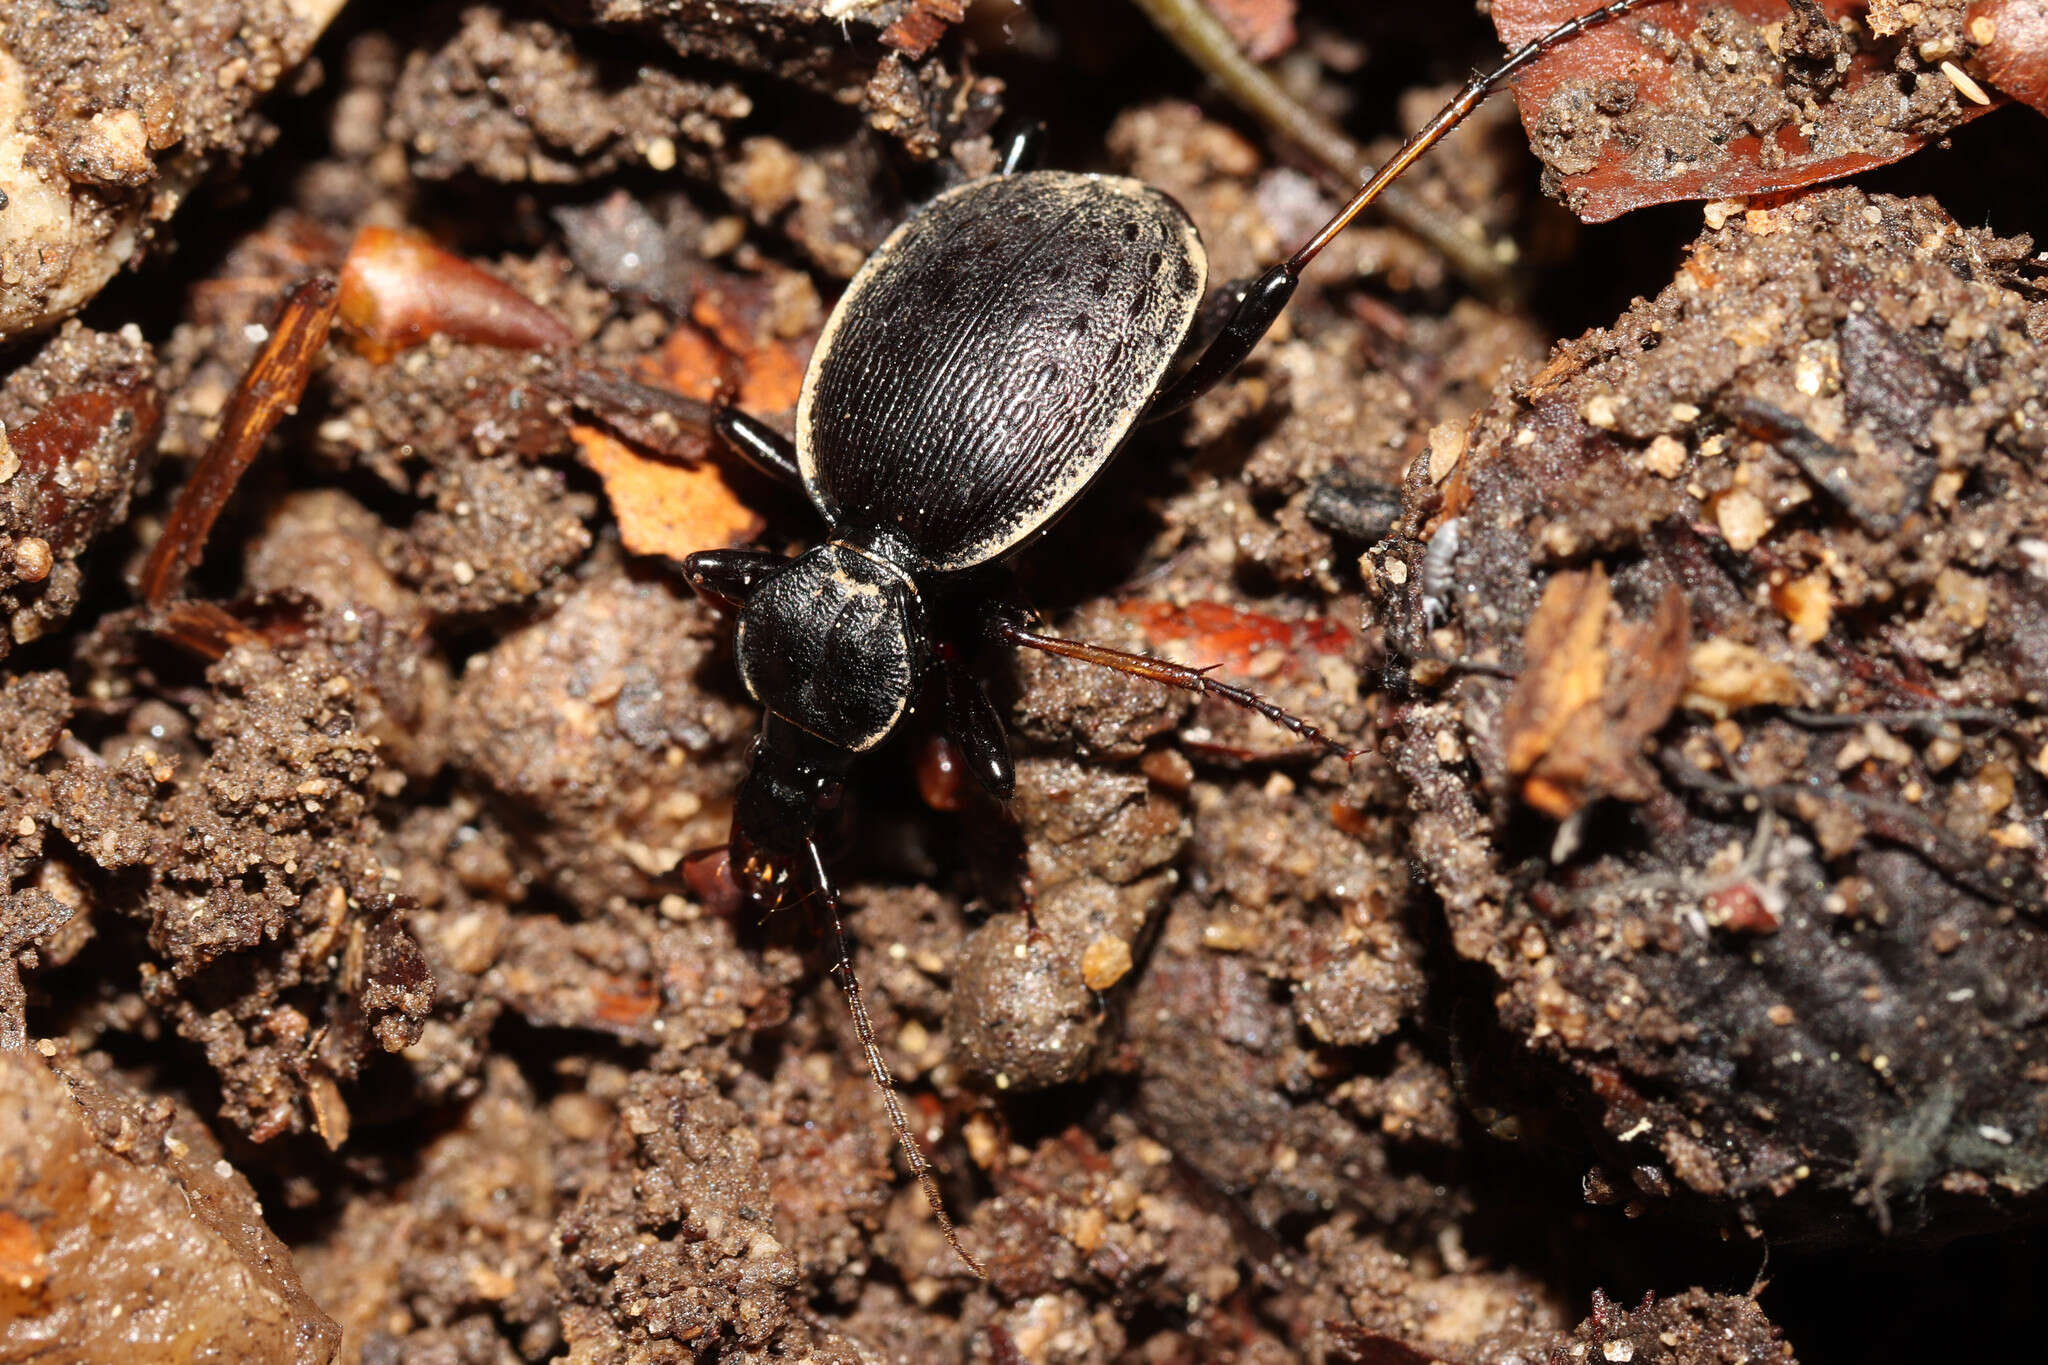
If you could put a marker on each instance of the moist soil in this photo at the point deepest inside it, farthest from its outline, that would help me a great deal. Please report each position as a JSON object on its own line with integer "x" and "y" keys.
{"x": 1665, "y": 980}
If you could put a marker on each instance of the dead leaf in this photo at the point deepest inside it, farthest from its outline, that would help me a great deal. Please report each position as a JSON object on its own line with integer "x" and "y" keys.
{"x": 668, "y": 507}
{"x": 1728, "y": 676}
{"x": 1263, "y": 28}
{"x": 921, "y": 27}
{"x": 1593, "y": 689}
{"x": 665, "y": 508}
{"x": 1718, "y": 99}
{"x": 2013, "y": 35}
{"x": 1566, "y": 665}
{"x": 1248, "y": 643}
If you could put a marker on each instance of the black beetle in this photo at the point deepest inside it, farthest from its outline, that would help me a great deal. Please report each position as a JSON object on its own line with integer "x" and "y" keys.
{"x": 984, "y": 365}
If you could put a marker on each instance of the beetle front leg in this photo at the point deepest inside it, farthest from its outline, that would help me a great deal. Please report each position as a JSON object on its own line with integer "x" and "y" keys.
{"x": 727, "y": 578}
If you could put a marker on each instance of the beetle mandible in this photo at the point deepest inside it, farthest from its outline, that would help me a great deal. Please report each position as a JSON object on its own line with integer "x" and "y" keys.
{"x": 984, "y": 365}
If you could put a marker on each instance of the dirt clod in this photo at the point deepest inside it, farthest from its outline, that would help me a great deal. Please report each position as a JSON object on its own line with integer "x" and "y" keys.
{"x": 1781, "y": 844}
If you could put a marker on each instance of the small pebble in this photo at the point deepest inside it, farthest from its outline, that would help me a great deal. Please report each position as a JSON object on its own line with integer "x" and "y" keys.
{"x": 1105, "y": 962}
{"x": 32, "y": 559}
{"x": 1742, "y": 519}
{"x": 1446, "y": 448}
{"x": 1665, "y": 457}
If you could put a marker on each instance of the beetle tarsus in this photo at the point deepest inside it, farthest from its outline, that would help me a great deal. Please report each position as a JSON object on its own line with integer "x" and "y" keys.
{"x": 878, "y": 1069}
{"x": 1187, "y": 679}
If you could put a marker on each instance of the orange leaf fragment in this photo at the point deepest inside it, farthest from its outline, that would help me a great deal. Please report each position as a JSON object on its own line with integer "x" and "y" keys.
{"x": 1592, "y": 691}
{"x": 398, "y": 289}
{"x": 24, "y": 1265}
{"x": 670, "y": 508}
{"x": 666, "y": 508}
{"x": 771, "y": 371}
{"x": 1248, "y": 643}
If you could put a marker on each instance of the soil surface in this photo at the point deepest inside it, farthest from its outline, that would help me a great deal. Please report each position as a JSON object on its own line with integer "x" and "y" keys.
{"x": 1665, "y": 980}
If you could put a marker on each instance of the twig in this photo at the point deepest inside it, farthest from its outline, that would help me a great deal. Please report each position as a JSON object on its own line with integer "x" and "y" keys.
{"x": 1190, "y": 26}
{"x": 272, "y": 387}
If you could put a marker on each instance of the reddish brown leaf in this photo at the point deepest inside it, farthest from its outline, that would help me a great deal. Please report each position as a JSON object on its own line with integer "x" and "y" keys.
{"x": 112, "y": 427}
{"x": 2012, "y": 37}
{"x": 1717, "y": 99}
{"x": 398, "y": 289}
{"x": 1247, "y": 643}
{"x": 923, "y": 25}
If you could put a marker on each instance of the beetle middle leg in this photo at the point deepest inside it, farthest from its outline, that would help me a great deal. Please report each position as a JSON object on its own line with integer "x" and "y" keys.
{"x": 974, "y": 725}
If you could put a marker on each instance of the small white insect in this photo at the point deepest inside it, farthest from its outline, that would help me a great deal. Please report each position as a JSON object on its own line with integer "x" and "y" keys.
{"x": 1437, "y": 581}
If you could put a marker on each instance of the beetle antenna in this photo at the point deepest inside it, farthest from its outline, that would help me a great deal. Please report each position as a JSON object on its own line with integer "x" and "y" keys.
{"x": 1447, "y": 118}
{"x": 878, "y": 1069}
{"x": 1196, "y": 680}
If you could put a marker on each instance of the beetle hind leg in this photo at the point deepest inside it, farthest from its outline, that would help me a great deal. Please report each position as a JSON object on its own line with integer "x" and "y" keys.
{"x": 972, "y": 724}
{"x": 1196, "y": 680}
